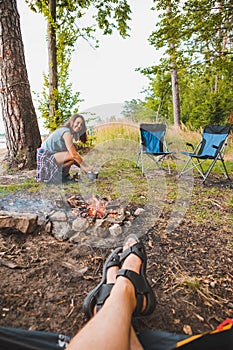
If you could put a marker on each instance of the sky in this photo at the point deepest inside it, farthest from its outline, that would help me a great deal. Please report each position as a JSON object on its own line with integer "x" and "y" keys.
{"x": 105, "y": 76}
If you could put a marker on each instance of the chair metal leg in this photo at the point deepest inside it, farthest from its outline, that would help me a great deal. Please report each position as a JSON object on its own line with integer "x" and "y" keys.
{"x": 226, "y": 172}
{"x": 142, "y": 163}
{"x": 140, "y": 160}
{"x": 185, "y": 167}
{"x": 206, "y": 174}
{"x": 137, "y": 163}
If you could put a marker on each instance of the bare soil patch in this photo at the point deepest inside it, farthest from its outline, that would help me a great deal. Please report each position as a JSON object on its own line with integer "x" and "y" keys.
{"x": 44, "y": 281}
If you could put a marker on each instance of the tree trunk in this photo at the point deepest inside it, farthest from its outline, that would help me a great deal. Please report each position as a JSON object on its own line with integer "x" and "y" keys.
{"x": 19, "y": 116}
{"x": 175, "y": 83}
{"x": 175, "y": 95}
{"x": 52, "y": 55}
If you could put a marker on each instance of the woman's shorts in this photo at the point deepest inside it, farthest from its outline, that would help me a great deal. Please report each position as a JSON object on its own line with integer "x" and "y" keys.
{"x": 47, "y": 168}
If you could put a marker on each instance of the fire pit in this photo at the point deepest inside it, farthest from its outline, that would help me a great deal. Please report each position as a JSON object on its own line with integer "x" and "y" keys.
{"x": 95, "y": 221}
{"x": 98, "y": 219}
{"x": 98, "y": 208}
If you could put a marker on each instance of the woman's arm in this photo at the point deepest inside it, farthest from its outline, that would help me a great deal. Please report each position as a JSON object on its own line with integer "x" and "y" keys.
{"x": 74, "y": 154}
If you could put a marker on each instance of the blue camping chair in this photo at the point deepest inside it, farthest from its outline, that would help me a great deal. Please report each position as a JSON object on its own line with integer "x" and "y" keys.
{"x": 212, "y": 148}
{"x": 153, "y": 146}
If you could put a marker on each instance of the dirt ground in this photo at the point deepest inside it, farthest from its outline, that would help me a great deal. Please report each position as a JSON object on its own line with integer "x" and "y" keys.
{"x": 44, "y": 281}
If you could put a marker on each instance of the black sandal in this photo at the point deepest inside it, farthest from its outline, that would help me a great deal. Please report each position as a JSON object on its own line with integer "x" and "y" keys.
{"x": 101, "y": 292}
{"x": 139, "y": 281}
{"x": 68, "y": 178}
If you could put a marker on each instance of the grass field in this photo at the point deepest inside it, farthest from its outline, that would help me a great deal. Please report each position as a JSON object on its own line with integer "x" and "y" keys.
{"x": 188, "y": 239}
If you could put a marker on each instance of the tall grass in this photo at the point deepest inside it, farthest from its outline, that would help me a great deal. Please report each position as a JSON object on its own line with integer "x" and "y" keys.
{"x": 113, "y": 130}
{"x": 128, "y": 130}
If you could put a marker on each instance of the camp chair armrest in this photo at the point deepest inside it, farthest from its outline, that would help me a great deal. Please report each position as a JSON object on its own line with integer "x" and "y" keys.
{"x": 216, "y": 147}
{"x": 190, "y": 145}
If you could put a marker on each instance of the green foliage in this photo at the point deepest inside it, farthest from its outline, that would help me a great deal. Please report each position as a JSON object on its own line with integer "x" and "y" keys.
{"x": 112, "y": 14}
{"x": 202, "y": 105}
{"x": 66, "y": 99}
{"x": 200, "y": 32}
{"x": 137, "y": 111}
{"x": 107, "y": 15}
{"x": 158, "y": 96}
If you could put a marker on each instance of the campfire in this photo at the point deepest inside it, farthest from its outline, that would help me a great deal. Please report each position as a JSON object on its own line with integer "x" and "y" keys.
{"x": 97, "y": 208}
{"x": 94, "y": 220}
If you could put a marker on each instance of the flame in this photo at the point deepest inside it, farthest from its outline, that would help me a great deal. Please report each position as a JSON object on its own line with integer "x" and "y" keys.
{"x": 96, "y": 207}
{"x": 112, "y": 215}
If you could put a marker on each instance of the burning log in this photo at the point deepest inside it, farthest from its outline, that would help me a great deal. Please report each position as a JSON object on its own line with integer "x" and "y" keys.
{"x": 97, "y": 208}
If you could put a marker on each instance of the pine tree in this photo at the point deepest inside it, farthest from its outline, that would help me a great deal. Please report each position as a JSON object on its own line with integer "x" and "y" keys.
{"x": 19, "y": 117}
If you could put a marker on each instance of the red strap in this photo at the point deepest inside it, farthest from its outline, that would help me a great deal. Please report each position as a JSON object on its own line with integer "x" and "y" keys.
{"x": 224, "y": 323}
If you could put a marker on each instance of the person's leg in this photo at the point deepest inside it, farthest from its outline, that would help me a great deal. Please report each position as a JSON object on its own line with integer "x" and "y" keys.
{"x": 111, "y": 278}
{"x": 66, "y": 171}
{"x": 111, "y": 327}
{"x": 134, "y": 341}
{"x": 64, "y": 158}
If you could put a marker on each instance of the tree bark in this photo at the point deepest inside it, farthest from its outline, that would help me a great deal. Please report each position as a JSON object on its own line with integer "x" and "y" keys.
{"x": 175, "y": 83}
{"x": 52, "y": 55}
{"x": 19, "y": 116}
{"x": 175, "y": 95}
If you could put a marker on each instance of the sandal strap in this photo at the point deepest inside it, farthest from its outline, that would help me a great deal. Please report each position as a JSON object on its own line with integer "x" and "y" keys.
{"x": 142, "y": 289}
{"x": 98, "y": 295}
{"x": 136, "y": 249}
{"x": 139, "y": 284}
{"x": 115, "y": 261}
{"x": 103, "y": 294}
